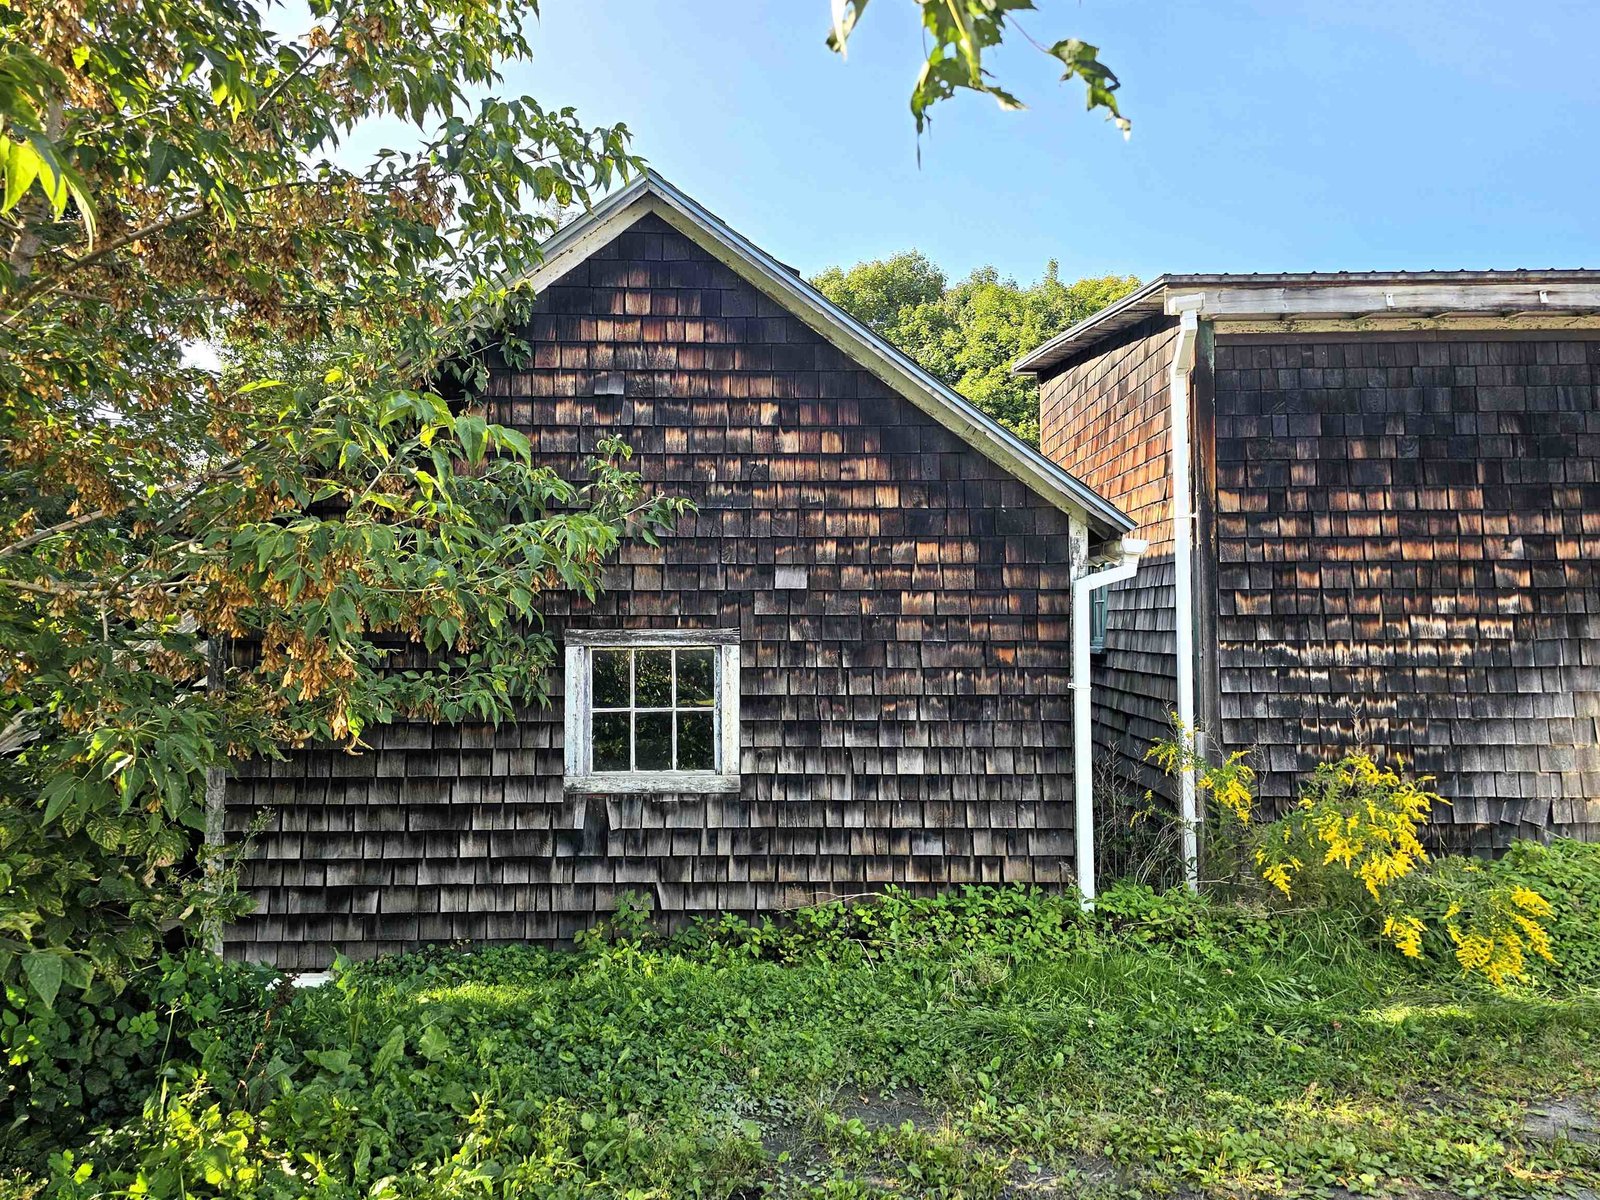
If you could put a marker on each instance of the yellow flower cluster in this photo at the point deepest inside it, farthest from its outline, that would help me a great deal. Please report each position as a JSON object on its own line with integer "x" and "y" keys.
{"x": 1232, "y": 791}
{"x": 1405, "y": 932}
{"x": 1530, "y": 901}
{"x": 1278, "y": 874}
{"x": 1503, "y": 930}
{"x": 1231, "y": 782}
{"x": 1367, "y": 818}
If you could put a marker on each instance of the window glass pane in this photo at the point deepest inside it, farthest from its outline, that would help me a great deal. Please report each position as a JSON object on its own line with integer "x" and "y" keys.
{"x": 611, "y": 742}
{"x": 652, "y": 681}
{"x": 696, "y": 676}
{"x": 695, "y": 749}
{"x": 611, "y": 678}
{"x": 653, "y": 745}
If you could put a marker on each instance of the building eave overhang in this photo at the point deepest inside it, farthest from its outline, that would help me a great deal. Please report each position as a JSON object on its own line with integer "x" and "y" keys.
{"x": 650, "y": 193}
{"x": 1458, "y": 297}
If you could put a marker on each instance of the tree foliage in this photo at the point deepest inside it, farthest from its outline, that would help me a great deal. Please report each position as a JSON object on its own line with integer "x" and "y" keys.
{"x": 969, "y": 334}
{"x": 957, "y": 34}
{"x": 369, "y": 547}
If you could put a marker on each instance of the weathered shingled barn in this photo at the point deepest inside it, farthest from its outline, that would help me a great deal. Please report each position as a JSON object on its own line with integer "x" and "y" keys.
{"x": 1374, "y": 508}
{"x": 851, "y": 667}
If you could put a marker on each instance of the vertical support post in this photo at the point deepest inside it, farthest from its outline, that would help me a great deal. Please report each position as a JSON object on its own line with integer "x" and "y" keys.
{"x": 216, "y": 785}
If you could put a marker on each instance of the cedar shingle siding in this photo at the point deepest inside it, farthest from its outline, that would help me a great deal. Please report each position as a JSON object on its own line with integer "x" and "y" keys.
{"x": 1105, "y": 420}
{"x": 1399, "y": 547}
{"x": 1408, "y": 534}
{"x": 906, "y": 714}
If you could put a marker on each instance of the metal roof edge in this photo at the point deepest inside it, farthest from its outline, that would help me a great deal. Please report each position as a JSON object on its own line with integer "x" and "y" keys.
{"x": 1049, "y": 353}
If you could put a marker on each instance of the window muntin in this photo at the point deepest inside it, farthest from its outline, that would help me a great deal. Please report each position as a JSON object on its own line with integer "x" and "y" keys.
{"x": 654, "y": 708}
{"x": 652, "y": 711}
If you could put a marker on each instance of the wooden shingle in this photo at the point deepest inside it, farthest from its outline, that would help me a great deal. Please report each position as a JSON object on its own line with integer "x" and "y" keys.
{"x": 906, "y": 713}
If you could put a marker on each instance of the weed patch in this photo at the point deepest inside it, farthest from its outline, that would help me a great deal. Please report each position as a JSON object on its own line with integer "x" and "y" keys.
{"x": 995, "y": 1042}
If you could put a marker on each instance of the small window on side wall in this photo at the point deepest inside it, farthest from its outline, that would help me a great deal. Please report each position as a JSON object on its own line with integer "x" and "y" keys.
{"x": 1099, "y": 601}
{"x": 652, "y": 710}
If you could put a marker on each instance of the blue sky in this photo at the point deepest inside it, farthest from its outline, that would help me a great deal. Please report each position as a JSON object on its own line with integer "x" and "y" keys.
{"x": 1274, "y": 135}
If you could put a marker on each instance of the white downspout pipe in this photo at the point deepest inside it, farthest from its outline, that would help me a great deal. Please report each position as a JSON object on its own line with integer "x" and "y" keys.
{"x": 1179, "y": 460}
{"x": 1082, "y": 713}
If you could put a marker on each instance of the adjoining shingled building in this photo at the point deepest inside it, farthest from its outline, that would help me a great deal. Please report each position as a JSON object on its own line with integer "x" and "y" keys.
{"x": 851, "y": 667}
{"x": 1391, "y": 484}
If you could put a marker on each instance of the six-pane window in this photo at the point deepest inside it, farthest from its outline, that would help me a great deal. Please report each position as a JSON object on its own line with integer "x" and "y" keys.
{"x": 654, "y": 709}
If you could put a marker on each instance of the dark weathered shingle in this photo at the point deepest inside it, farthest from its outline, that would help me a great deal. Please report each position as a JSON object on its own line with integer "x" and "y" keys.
{"x": 1408, "y": 555}
{"x": 906, "y": 714}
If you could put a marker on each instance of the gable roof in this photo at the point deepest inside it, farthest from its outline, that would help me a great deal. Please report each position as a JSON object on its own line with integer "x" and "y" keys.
{"x": 650, "y": 193}
{"x": 1324, "y": 294}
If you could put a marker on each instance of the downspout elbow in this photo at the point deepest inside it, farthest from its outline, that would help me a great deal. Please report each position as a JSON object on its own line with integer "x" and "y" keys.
{"x": 1082, "y": 710}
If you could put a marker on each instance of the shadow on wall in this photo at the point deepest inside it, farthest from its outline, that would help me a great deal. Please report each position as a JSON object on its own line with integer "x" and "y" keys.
{"x": 1138, "y": 838}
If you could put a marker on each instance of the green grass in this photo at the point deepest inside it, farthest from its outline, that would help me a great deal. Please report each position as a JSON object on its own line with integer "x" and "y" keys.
{"x": 990, "y": 1044}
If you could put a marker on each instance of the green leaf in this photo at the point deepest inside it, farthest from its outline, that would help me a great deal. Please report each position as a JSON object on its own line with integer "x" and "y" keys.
{"x": 845, "y": 15}
{"x": 44, "y": 971}
{"x": 389, "y": 1053}
{"x": 472, "y": 433}
{"x": 22, "y": 168}
{"x": 160, "y": 162}
{"x": 61, "y": 183}
{"x": 514, "y": 440}
{"x": 433, "y": 1045}
{"x": 57, "y": 794}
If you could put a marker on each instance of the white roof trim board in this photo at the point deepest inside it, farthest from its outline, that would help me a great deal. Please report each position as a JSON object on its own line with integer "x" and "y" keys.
{"x": 1357, "y": 295}
{"x": 649, "y": 193}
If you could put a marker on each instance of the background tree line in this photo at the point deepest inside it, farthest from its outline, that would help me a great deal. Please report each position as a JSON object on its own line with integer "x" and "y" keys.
{"x": 968, "y": 334}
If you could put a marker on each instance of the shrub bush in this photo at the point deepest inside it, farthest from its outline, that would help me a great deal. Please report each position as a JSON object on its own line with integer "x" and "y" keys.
{"x": 1567, "y": 873}
{"x": 94, "y": 1055}
{"x": 1352, "y": 843}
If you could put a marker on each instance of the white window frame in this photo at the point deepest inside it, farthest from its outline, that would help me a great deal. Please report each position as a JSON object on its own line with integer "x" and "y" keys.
{"x": 580, "y": 773}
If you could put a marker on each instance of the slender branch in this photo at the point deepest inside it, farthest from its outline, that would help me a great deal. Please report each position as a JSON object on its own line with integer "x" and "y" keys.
{"x": 33, "y": 539}
{"x": 273, "y": 93}
{"x": 46, "y": 589}
{"x": 36, "y": 289}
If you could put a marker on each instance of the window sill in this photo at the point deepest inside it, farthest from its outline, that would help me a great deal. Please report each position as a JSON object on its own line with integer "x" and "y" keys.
{"x": 658, "y": 782}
